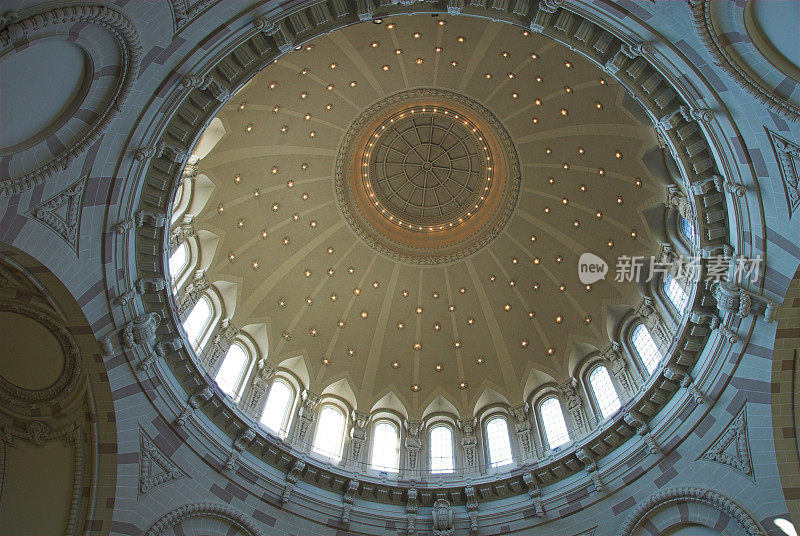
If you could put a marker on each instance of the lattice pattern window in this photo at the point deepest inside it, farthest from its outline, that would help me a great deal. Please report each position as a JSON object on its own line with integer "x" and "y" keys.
{"x": 178, "y": 261}
{"x": 198, "y": 320}
{"x": 498, "y": 442}
{"x": 687, "y": 229}
{"x": 675, "y": 292}
{"x": 276, "y": 410}
{"x": 555, "y": 428}
{"x": 328, "y": 438}
{"x": 230, "y": 373}
{"x": 441, "y": 448}
{"x": 385, "y": 447}
{"x": 646, "y": 347}
{"x": 604, "y": 392}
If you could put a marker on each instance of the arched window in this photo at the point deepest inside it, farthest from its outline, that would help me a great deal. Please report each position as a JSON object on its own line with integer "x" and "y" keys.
{"x": 330, "y": 428}
{"x": 687, "y": 229}
{"x": 178, "y": 195}
{"x": 675, "y": 292}
{"x": 555, "y": 428}
{"x": 276, "y": 411}
{"x": 604, "y": 392}
{"x": 197, "y": 322}
{"x": 646, "y": 347}
{"x": 498, "y": 443}
{"x": 231, "y": 372}
{"x": 178, "y": 261}
{"x": 385, "y": 447}
{"x": 441, "y": 448}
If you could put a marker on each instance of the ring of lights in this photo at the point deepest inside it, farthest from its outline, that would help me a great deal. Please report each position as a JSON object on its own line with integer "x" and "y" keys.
{"x": 405, "y": 153}
{"x": 276, "y": 457}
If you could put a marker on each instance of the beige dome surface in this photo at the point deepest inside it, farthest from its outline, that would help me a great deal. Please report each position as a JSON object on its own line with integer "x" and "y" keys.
{"x": 508, "y": 314}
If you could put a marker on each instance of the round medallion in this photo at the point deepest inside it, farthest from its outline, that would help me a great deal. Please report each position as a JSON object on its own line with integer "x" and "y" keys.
{"x": 427, "y": 176}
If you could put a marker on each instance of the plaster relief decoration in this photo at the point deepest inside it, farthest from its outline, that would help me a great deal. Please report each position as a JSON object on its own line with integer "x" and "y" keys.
{"x": 769, "y": 81}
{"x": 185, "y": 11}
{"x": 412, "y": 441}
{"x": 62, "y": 213}
{"x": 732, "y": 447}
{"x": 204, "y": 518}
{"x": 787, "y": 154}
{"x": 155, "y": 467}
{"x": 96, "y": 68}
{"x": 657, "y": 513}
{"x": 58, "y": 342}
{"x": 442, "y": 518}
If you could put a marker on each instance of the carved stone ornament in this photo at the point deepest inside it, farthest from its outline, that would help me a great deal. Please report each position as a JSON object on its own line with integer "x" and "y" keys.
{"x": 412, "y": 441}
{"x": 194, "y": 402}
{"x": 218, "y": 512}
{"x": 788, "y": 155}
{"x": 574, "y": 403}
{"x": 472, "y": 508}
{"x": 590, "y": 465}
{"x": 412, "y": 507}
{"x": 523, "y": 428}
{"x": 670, "y": 499}
{"x": 308, "y": 405}
{"x": 39, "y": 433}
{"x": 468, "y": 439}
{"x": 291, "y": 479}
{"x": 348, "y": 500}
{"x": 358, "y": 433}
{"x": 241, "y": 443}
{"x": 31, "y": 160}
{"x": 732, "y": 447}
{"x": 442, "y": 518}
{"x": 65, "y": 223}
{"x": 141, "y": 331}
{"x": 535, "y": 494}
{"x": 155, "y": 467}
{"x": 70, "y": 372}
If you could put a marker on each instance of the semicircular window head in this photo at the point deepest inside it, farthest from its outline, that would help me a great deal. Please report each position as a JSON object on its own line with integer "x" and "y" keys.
{"x": 555, "y": 428}
{"x": 385, "y": 447}
{"x": 675, "y": 292}
{"x": 441, "y": 449}
{"x": 196, "y": 323}
{"x": 230, "y": 373}
{"x": 604, "y": 392}
{"x": 328, "y": 437}
{"x": 178, "y": 261}
{"x": 276, "y": 411}
{"x": 498, "y": 442}
{"x": 646, "y": 347}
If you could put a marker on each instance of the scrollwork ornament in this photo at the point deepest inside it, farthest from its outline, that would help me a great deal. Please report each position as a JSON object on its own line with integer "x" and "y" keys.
{"x": 211, "y": 510}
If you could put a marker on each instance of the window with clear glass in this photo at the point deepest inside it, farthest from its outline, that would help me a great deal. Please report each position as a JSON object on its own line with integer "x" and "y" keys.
{"x": 675, "y": 292}
{"x": 646, "y": 347}
{"x": 196, "y": 323}
{"x": 231, "y": 371}
{"x": 328, "y": 438}
{"x": 555, "y": 428}
{"x": 498, "y": 442}
{"x": 441, "y": 448}
{"x": 276, "y": 411}
{"x": 687, "y": 229}
{"x": 178, "y": 261}
{"x": 604, "y": 392}
{"x": 385, "y": 447}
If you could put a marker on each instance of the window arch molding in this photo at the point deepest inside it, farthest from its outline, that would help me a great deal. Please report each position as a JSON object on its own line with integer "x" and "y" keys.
{"x": 186, "y": 274}
{"x": 208, "y": 328}
{"x": 636, "y": 356}
{"x": 493, "y": 413}
{"x": 670, "y": 308}
{"x": 544, "y": 393}
{"x": 590, "y": 365}
{"x": 182, "y": 198}
{"x": 284, "y": 427}
{"x": 385, "y": 417}
{"x": 252, "y": 353}
{"x": 335, "y": 451}
{"x": 629, "y": 352}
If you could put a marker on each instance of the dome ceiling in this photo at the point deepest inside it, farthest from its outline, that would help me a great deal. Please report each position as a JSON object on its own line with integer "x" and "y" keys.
{"x": 500, "y": 311}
